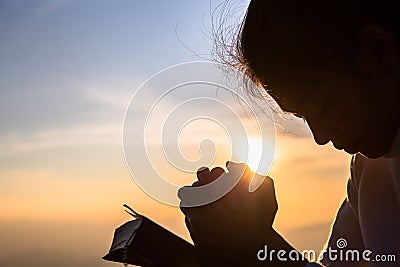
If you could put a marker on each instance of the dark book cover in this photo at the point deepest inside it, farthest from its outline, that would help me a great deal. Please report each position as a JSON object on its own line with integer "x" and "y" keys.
{"x": 144, "y": 243}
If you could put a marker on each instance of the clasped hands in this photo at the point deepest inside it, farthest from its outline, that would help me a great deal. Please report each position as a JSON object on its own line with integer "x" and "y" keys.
{"x": 231, "y": 230}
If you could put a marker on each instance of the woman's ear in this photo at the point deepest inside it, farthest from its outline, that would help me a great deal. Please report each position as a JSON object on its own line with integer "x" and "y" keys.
{"x": 377, "y": 51}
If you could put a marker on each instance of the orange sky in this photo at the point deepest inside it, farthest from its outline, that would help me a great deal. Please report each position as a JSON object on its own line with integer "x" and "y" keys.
{"x": 67, "y": 202}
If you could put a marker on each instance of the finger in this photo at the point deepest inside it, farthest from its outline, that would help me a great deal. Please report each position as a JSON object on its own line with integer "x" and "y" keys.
{"x": 266, "y": 189}
{"x": 256, "y": 181}
{"x": 188, "y": 212}
{"x": 266, "y": 199}
{"x": 184, "y": 193}
{"x": 215, "y": 174}
{"x": 236, "y": 167}
{"x": 206, "y": 176}
{"x": 239, "y": 171}
{"x": 196, "y": 212}
{"x": 197, "y": 183}
{"x": 202, "y": 174}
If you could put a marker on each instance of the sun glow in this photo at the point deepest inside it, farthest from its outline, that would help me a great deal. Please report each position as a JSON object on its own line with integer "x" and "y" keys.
{"x": 251, "y": 151}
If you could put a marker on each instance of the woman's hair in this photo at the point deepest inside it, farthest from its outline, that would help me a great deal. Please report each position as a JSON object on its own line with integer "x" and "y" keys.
{"x": 279, "y": 35}
{"x": 226, "y": 34}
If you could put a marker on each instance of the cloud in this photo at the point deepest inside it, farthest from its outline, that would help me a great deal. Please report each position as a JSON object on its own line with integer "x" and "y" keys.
{"x": 114, "y": 98}
{"x": 88, "y": 135}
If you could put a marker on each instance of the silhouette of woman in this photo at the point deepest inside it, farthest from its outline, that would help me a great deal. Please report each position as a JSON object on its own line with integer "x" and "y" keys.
{"x": 336, "y": 64}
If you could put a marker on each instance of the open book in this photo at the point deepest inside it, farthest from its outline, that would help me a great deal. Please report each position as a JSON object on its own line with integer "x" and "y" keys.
{"x": 144, "y": 243}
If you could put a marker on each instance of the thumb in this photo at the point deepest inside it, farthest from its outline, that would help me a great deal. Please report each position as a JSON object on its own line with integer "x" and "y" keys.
{"x": 236, "y": 167}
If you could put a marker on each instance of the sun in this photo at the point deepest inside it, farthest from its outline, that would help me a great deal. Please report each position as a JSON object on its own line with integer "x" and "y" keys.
{"x": 255, "y": 152}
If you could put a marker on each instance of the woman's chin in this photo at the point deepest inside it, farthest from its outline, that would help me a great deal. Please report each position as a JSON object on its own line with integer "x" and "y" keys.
{"x": 351, "y": 151}
{"x": 373, "y": 154}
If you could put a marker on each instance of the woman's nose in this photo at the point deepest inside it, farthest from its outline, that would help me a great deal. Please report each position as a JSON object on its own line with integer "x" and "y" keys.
{"x": 321, "y": 130}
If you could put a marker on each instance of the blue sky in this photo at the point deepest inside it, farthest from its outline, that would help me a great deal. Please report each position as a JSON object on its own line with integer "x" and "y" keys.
{"x": 67, "y": 66}
{"x": 52, "y": 51}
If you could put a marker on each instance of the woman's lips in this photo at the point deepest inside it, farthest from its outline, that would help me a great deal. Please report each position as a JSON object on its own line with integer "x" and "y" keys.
{"x": 349, "y": 148}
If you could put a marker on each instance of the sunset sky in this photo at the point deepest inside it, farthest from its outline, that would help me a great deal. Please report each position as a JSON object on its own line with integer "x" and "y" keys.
{"x": 68, "y": 70}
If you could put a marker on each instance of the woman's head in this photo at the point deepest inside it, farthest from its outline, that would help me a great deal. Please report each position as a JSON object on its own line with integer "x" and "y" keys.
{"x": 335, "y": 63}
